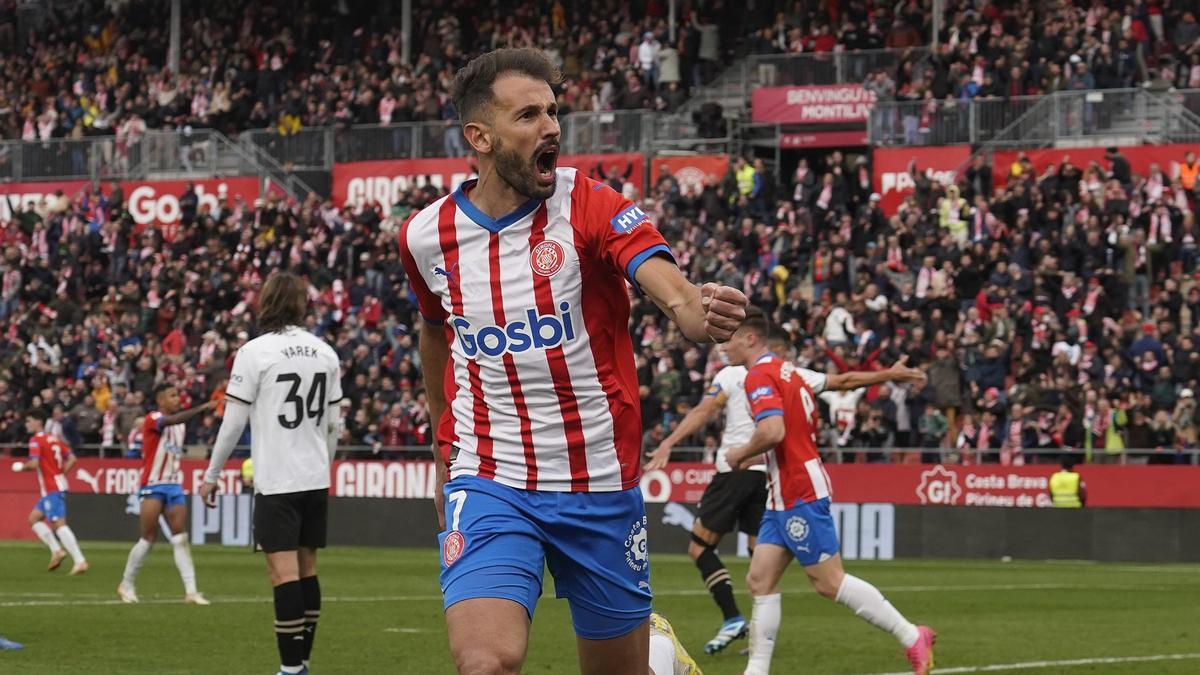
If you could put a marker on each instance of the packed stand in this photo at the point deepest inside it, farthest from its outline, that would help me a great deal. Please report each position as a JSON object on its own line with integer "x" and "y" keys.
{"x": 1055, "y": 314}
{"x": 95, "y": 313}
{"x": 1011, "y": 54}
{"x": 100, "y": 69}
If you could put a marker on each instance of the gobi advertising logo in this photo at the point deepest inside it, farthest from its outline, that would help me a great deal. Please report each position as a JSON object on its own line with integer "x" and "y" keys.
{"x": 939, "y": 486}
{"x": 538, "y": 331}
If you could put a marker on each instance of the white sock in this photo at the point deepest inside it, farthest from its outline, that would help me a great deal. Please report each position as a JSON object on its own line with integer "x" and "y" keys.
{"x": 42, "y": 530}
{"x": 183, "y": 562}
{"x": 764, "y": 626}
{"x": 662, "y": 655}
{"x": 291, "y": 669}
{"x": 869, "y": 604}
{"x": 137, "y": 556}
{"x": 67, "y": 537}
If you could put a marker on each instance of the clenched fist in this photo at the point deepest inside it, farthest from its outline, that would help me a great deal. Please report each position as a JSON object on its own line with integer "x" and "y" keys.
{"x": 901, "y": 372}
{"x": 724, "y": 310}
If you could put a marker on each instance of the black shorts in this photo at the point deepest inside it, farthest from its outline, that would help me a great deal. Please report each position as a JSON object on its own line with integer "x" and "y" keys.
{"x": 734, "y": 498}
{"x": 287, "y": 521}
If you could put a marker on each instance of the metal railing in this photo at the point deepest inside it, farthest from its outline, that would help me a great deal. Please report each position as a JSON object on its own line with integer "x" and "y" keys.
{"x": 733, "y": 86}
{"x": 1129, "y": 456}
{"x": 318, "y": 148}
{"x": 157, "y": 154}
{"x": 1088, "y": 117}
{"x": 815, "y": 68}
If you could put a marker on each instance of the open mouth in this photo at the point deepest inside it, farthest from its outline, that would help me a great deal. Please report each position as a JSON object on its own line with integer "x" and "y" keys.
{"x": 544, "y": 162}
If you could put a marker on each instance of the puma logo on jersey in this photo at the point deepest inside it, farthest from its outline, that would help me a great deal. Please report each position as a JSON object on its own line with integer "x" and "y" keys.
{"x": 538, "y": 331}
{"x": 448, "y": 274}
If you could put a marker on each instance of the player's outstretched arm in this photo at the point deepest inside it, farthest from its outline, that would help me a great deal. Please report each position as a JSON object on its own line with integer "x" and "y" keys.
{"x": 709, "y": 313}
{"x": 27, "y": 465}
{"x": 435, "y": 354}
{"x": 237, "y": 414}
{"x": 768, "y": 433}
{"x": 691, "y": 423}
{"x": 899, "y": 372}
{"x": 184, "y": 416}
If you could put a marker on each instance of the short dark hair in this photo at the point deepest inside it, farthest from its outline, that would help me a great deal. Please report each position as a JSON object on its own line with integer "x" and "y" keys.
{"x": 472, "y": 87}
{"x": 756, "y": 322}
{"x": 282, "y": 303}
{"x": 161, "y": 387}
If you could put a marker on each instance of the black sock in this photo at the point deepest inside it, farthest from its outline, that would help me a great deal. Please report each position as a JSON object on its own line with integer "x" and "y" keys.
{"x": 289, "y": 623}
{"x": 312, "y": 612}
{"x": 716, "y": 577}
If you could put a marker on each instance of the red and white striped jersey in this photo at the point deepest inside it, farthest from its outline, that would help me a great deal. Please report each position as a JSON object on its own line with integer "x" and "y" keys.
{"x": 541, "y": 388}
{"x": 161, "y": 449}
{"x": 794, "y": 471}
{"x": 51, "y": 453}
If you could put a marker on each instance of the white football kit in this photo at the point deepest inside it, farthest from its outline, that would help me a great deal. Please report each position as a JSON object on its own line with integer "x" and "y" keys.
{"x": 290, "y": 379}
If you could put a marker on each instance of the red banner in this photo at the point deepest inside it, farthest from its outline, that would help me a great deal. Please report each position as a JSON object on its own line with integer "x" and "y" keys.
{"x": 1140, "y": 157}
{"x": 149, "y": 202}
{"x": 916, "y": 484}
{"x": 823, "y": 139}
{"x": 19, "y": 491}
{"x": 690, "y": 171}
{"x": 891, "y": 168}
{"x": 385, "y": 182}
{"x": 821, "y": 104}
{"x": 985, "y": 485}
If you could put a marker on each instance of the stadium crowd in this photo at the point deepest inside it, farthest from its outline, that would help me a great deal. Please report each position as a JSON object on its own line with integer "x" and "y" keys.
{"x": 1058, "y": 313}
{"x": 97, "y": 69}
{"x": 1009, "y": 54}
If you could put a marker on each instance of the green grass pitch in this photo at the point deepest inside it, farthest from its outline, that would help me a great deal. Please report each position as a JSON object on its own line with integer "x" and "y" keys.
{"x": 382, "y": 614}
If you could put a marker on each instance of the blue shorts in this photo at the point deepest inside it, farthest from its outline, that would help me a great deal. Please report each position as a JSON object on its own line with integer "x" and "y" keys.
{"x": 54, "y": 505}
{"x": 169, "y": 494}
{"x": 807, "y": 530}
{"x": 499, "y": 539}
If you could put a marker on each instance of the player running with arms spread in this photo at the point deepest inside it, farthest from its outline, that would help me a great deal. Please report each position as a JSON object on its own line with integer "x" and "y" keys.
{"x": 528, "y": 364}
{"x": 162, "y": 492}
{"x": 50, "y": 457}
{"x": 797, "y": 523}
{"x": 737, "y": 497}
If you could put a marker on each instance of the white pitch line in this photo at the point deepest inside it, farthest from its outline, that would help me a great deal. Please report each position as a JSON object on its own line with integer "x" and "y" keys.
{"x": 215, "y": 599}
{"x": 962, "y": 588}
{"x": 90, "y": 599}
{"x": 406, "y": 630}
{"x": 1102, "y": 660}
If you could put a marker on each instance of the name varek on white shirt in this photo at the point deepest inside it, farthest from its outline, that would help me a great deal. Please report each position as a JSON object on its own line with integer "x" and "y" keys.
{"x": 291, "y": 379}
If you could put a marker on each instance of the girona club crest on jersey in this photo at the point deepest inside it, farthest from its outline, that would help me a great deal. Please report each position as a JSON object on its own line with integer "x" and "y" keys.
{"x": 547, "y": 258}
{"x": 452, "y": 547}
